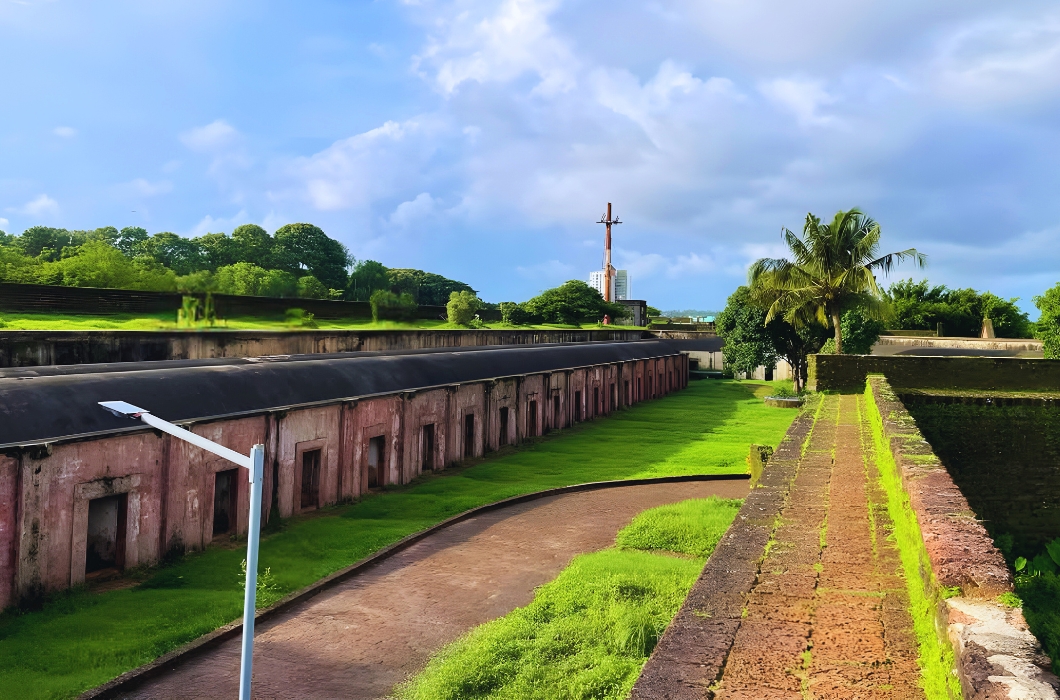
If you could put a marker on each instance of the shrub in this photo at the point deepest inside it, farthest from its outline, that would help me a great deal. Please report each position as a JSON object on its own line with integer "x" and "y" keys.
{"x": 514, "y": 314}
{"x": 1048, "y": 329}
{"x": 389, "y": 306}
{"x": 309, "y": 287}
{"x": 462, "y": 307}
{"x": 299, "y": 317}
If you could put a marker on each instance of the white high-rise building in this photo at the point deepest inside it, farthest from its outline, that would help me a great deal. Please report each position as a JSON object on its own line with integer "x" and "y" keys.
{"x": 620, "y": 284}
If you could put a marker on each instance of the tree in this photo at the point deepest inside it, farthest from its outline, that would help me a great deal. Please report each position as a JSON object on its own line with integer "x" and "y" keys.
{"x": 387, "y": 305}
{"x": 833, "y": 269}
{"x": 250, "y": 280}
{"x": 43, "y": 239}
{"x": 515, "y": 314}
{"x": 218, "y": 250}
{"x": 179, "y": 254}
{"x": 130, "y": 239}
{"x": 1048, "y": 329}
{"x": 572, "y": 302}
{"x": 860, "y": 333}
{"x": 310, "y": 287}
{"x": 253, "y": 244}
{"x": 654, "y": 312}
{"x": 299, "y": 248}
{"x": 427, "y": 288}
{"x": 920, "y": 306}
{"x": 97, "y": 264}
{"x": 367, "y": 276}
{"x": 743, "y": 327}
{"x": 462, "y": 307}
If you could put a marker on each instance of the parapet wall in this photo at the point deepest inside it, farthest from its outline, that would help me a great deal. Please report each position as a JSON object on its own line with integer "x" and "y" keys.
{"x": 849, "y": 372}
{"x": 996, "y": 654}
{"x": 37, "y": 348}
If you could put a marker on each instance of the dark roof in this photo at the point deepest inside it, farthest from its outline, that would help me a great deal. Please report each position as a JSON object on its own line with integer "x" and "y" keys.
{"x": 61, "y": 403}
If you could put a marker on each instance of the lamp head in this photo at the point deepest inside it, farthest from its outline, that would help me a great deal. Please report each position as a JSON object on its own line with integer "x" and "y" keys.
{"x": 121, "y": 408}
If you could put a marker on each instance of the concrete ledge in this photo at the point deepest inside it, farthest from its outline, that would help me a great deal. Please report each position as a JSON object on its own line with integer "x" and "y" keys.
{"x": 691, "y": 654}
{"x": 783, "y": 402}
{"x": 996, "y": 654}
{"x": 132, "y": 679}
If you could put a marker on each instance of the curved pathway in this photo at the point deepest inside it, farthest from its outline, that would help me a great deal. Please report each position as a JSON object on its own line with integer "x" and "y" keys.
{"x": 364, "y": 635}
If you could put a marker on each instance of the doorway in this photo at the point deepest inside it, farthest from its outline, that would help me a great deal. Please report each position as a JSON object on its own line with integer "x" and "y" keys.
{"x": 625, "y": 390}
{"x": 376, "y": 461}
{"x": 557, "y": 418}
{"x": 106, "y": 533}
{"x": 531, "y": 419}
{"x": 611, "y": 399}
{"x": 577, "y": 406}
{"x": 224, "y": 502}
{"x": 469, "y": 435}
{"x": 503, "y": 437}
{"x": 310, "y": 479}
{"x": 427, "y": 448}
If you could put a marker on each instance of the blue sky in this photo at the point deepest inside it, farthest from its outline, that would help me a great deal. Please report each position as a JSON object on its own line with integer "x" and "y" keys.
{"x": 482, "y": 139}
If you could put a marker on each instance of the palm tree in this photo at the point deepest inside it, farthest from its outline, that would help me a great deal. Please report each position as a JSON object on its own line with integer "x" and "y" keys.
{"x": 833, "y": 269}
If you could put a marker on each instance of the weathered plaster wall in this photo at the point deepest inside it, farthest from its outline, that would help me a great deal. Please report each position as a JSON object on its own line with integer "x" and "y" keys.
{"x": 45, "y": 490}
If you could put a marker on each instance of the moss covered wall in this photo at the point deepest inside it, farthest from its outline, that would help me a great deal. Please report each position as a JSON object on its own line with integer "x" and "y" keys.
{"x": 1004, "y": 458}
{"x": 848, "y": 372}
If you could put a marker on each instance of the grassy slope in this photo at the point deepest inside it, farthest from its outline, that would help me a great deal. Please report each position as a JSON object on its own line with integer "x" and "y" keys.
{"x": 167, "y": 322}
{"x": 84, "y": 639}
{"x": 587, "y": 633}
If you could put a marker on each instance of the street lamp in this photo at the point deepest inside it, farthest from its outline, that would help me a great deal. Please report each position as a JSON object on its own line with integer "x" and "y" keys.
{"x": 254, "y": 464}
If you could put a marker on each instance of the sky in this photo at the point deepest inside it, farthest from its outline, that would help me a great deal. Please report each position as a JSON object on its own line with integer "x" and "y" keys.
{"x": 482, "y": 139}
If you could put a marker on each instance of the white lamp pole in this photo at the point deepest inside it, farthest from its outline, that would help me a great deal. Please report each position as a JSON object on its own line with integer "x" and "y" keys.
{"x": 255, "y": 465}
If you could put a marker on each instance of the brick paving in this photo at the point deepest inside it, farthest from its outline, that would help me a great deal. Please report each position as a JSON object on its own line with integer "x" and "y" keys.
{"x": 827, "y": 615}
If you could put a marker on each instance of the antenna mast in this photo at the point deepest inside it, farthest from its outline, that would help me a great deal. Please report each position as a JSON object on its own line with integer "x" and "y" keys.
{"x": 609, "y": 269}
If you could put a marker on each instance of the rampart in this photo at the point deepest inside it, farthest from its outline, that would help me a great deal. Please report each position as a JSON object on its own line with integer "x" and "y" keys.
{"x": 83, "y": 491}
{"x": 849, "y": 372}
{"x": 38, "y": 348}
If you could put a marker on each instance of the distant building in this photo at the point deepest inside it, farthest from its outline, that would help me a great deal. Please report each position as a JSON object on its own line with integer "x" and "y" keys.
{"x": 621, "y": 288}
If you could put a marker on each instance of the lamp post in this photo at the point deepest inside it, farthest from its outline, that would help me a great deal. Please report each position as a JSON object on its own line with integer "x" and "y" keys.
{"x": 254, "y": 463}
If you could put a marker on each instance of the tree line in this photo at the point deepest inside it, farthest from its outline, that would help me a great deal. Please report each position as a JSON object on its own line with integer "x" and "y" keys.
{"x": 826, "y": 298}
{"x": 297, "y": 260}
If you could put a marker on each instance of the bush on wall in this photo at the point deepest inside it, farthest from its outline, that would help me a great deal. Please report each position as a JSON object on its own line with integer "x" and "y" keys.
{"x": 389, "y": 306}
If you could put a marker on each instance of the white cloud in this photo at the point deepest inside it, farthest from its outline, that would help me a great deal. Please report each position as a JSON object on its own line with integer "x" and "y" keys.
{"x": 209, "y": 224}
{"x": 357, "y": 171}
{"x": 549, "y": 273}
{"x": 482, "y": 46}
{"x": 1000, "y": 59}
{"x": 4, "y": 223}
{"x": 40, "y": 206}
{"x": 690, "y": 265}
{"x": 66, "y": 132}
{"x": 803, "y": 98}
{"x": 215, "y": 136}
{"x": 408, "y": 213}
{"x": 144, "y": 188}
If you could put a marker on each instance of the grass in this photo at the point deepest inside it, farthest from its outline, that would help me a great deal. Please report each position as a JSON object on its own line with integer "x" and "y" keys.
{"x": 935, "y": 653}
{"x": 11, "y": 320}
{"x": 82, "y": 639}
{"x": 588, "y": 633}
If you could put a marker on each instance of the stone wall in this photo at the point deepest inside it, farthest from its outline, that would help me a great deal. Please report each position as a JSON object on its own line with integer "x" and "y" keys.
{"x": 1005, "y": 458}
{"x": 36, "y": 348}
{"x": 996, "y": 654}
{"x": 849, "y": 372}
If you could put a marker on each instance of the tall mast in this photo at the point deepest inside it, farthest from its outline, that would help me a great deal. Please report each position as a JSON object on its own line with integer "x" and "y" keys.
{"x": 609, "y": 270}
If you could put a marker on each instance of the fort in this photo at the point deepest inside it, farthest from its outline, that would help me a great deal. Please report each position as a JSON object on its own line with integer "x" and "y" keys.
{"x": 82, "y": 490}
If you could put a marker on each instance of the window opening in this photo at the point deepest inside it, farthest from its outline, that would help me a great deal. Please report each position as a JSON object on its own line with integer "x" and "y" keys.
{"x": 531, "y": 419}
{"x": 469, "y": 435}
{"x": 577, "y": 406}
{"x": 310, "y": 479}
{"x": 224, "y": 502}
{"x": 596, "y": 400}
{"x": 503, "y": 437}
{"x": 557, "y": 419}
{"x": 427, "y": 448}
{"x": 106, "y": 533}
{"x": 376, "y": 461}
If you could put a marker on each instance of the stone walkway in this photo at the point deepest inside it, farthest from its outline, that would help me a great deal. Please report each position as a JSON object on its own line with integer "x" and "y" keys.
{"x": 359, "y": 638}
{"x": 827, "y": 616}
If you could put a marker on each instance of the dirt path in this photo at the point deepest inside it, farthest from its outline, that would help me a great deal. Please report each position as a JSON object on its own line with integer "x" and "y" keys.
{"x": 361, "y": 637}
{"x": 827, "y": 617}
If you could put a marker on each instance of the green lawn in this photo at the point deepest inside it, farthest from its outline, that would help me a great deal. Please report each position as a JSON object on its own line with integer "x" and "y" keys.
{"x": 13, "y": 320}
{"x": 83, "y": 639}
{"x": 588, "y": 633}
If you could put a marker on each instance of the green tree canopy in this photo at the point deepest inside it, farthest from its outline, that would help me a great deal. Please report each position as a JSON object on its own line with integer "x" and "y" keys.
{"x": 572, "y": 302}
{"x": 462, "y": 307}
{"x": 426, "y": 288}
{"x": 833, "y": 268}
{"x": 179, "y": 254}
{"x": 367, "y": 276}
{"x": 742, "y": 324}
{"x": 922, "y": 306}
{"x": 1048, "y": 327}
{"x": 299, "y": 248}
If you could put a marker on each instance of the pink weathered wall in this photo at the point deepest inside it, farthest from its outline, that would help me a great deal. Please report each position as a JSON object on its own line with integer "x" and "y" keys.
{"x": 44, "y": 494}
